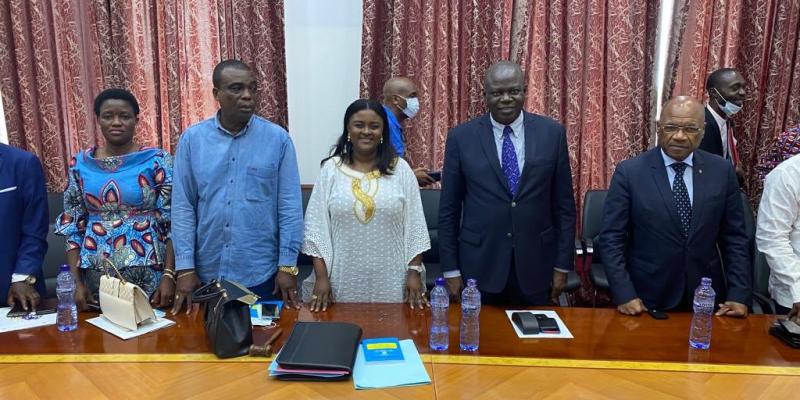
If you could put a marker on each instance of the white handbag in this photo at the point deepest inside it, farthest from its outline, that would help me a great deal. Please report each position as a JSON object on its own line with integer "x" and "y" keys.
{"x": 123, "y": 303}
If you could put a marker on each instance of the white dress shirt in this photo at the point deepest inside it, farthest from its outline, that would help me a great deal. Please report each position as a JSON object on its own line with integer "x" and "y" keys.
{"x": 687, "y": 174}
{"x": 778, "y": 231}
{"x": 722, "y": 123}
{"x": 517, "y": 137}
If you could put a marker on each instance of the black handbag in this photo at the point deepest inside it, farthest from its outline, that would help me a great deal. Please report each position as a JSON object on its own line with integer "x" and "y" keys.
{"x": 227, "y": 317}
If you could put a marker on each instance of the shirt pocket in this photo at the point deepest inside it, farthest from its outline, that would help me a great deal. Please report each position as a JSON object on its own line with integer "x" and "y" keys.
{"x": 261, "y": 183}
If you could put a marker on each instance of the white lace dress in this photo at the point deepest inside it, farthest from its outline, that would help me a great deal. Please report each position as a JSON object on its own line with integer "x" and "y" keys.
{"x": 366, "y": 249}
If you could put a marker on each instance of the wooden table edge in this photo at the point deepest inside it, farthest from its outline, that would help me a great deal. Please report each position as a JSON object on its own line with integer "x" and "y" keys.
{"x": 426, "y": 358}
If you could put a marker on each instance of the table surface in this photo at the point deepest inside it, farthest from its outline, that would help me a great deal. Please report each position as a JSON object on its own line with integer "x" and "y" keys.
{"x": 600, "y": 335}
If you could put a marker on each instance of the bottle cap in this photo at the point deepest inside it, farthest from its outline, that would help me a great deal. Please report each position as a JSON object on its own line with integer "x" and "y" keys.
{"x": 705, "y": 281}
{"x": 439, "y": 281}
{"x": 64, "y": 267}
{"x": 472, "y": 282}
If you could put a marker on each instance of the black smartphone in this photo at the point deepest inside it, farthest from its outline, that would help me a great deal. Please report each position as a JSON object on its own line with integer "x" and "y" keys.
{"x": 526, "y": 323}
{"x": 657, "y": 314}
{"x": 547, "y": 324}
{"x": 436, "y": 175}
{"x": 270, "y": 310}
{"x": 18, "y": 311}
{"x": 93, "y": 306}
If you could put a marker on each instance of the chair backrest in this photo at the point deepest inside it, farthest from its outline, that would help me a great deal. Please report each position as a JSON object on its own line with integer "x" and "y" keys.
{"x": 760, "y": 274}
{"x": 304, "y": 262}
{"x": 759, "y": 260}
{"x": 56, "y": 245}
{"x": 430, "y": 205}
{"x": 593, "y": 203}
{"x": 749, "y": 223}
{"x": 55, "y": 205}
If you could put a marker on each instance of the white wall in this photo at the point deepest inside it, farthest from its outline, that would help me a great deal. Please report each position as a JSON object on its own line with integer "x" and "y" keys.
{"x": 323, "y": 66}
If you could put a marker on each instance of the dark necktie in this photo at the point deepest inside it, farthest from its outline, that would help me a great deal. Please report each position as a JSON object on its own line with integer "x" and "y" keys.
{"x": 510, "y": 166}
{"x": 681, "y": 195}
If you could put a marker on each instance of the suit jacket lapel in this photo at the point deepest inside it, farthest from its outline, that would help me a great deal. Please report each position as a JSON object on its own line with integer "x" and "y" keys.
{"x": 486, "y": 138}
{"x": 530, "y": 125}
{"x": 699, "y": 200}
{"x": 661, "y": 180}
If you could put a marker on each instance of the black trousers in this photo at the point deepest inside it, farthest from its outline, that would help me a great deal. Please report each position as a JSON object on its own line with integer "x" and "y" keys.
{"x": 512, "y": 294}
{"x": 781, "y": 310}
{"x": 264, "y": 290}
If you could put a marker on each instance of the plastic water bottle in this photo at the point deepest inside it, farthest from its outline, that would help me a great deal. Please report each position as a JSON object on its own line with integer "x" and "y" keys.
{"x": 470, "y": 317}
{"x": 700, "y": 332}
{"x": 440, "y": 304}
{"x": 67, "y": 317}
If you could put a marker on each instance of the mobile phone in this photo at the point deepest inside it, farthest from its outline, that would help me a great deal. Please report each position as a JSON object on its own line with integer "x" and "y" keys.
{"x": 657, "y": 314}
{"x": 18, "y": 311}
{"x": 270, "y": 310}
{"x": 436, "y": 175}
{"x": 93, "y": 306}
{"x": 547, "y": 324}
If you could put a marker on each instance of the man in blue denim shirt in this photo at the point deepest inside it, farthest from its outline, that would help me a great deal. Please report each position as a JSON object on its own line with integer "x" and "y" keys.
{"x": 236, "y": 205}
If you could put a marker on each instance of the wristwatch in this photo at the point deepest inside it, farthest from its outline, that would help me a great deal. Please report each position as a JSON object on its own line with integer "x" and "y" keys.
{"x": 418, "y": 268}
{"x": 293, "y": 271}
{"x": 30, "y": 280}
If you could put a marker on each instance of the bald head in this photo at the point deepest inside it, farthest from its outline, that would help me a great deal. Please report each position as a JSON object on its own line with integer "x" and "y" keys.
{"x": 504, "y": 91}
{"x": 681, "y": 126}
{"x": 396, "y": 92}
{"x": 502, "y": 70}
{"x": 683, "y": 105}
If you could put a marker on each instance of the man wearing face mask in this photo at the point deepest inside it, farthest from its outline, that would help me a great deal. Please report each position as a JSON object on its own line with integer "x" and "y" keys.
{"x": 726, "y": 93}
{"x": 401, "y": 103}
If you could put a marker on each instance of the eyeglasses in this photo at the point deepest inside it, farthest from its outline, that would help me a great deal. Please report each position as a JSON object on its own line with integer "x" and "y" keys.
{"x": 689, "y": 130}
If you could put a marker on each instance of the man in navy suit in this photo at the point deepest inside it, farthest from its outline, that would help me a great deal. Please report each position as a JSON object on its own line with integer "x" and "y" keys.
{"x": 666, "y": 213}
{"x": 23, "y": 212}
{"x": 507, "y": 211}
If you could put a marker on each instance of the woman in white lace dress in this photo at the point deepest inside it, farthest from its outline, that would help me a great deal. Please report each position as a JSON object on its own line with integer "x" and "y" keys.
{"x": 364, "y": 225}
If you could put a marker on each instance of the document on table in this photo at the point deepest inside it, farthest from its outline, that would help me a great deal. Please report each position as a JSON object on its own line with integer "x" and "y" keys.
{"x": 124, "y": 334}
{"x": 565, "y": 333}
{"x": 382, "y": 374}
{"x": 19, "y": 323}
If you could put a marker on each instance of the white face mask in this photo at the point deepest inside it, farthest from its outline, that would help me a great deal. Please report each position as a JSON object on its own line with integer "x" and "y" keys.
{"x": 728, "y": 107}
{"x": 412, "y": 106}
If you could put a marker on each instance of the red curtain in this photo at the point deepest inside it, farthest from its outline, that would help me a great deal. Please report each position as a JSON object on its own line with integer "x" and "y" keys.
{"x": 56, "y": 55}
{"x": 760, "y": 39}
{"x": 445, "y": 46}
{"x": 587, "y": 63}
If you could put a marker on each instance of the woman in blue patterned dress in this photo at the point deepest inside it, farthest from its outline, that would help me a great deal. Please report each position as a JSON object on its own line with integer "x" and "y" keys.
{"x": 117, "y": 206}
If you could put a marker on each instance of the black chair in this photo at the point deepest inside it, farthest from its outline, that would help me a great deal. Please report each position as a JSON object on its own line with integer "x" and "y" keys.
{"x": 430, "y": 205}
{"x": 762, "y": 303}
{"x": 304, "y": 262}
{"x": 593, "y": 203}
{"x": 56, "y": 245}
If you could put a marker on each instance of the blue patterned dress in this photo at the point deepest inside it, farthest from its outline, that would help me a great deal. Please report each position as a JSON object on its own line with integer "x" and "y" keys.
{"x": 119, "y": 208}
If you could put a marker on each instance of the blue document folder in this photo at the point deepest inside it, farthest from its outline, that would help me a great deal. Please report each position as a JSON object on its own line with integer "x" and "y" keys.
{"x": 408, "y": 372}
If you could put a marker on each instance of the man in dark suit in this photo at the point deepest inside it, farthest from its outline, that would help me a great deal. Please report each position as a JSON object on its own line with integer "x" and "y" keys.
{"x": 507, "y": 212}
{"x": 726, "y": 94}
{"x": 666, "y": 212}
{"x": 23, "y": 210}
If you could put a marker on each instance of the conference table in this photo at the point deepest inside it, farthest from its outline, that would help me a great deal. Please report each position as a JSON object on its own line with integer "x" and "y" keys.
{"x": 610, "y": 356}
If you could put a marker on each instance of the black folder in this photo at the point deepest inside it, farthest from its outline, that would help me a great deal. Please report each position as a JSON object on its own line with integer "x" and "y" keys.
{"x": 320, "y": 346}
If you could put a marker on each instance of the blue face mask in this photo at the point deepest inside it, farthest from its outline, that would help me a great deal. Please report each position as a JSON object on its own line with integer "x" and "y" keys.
{"x": 728, "y": 107}
{"x": 412, "y": 106}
